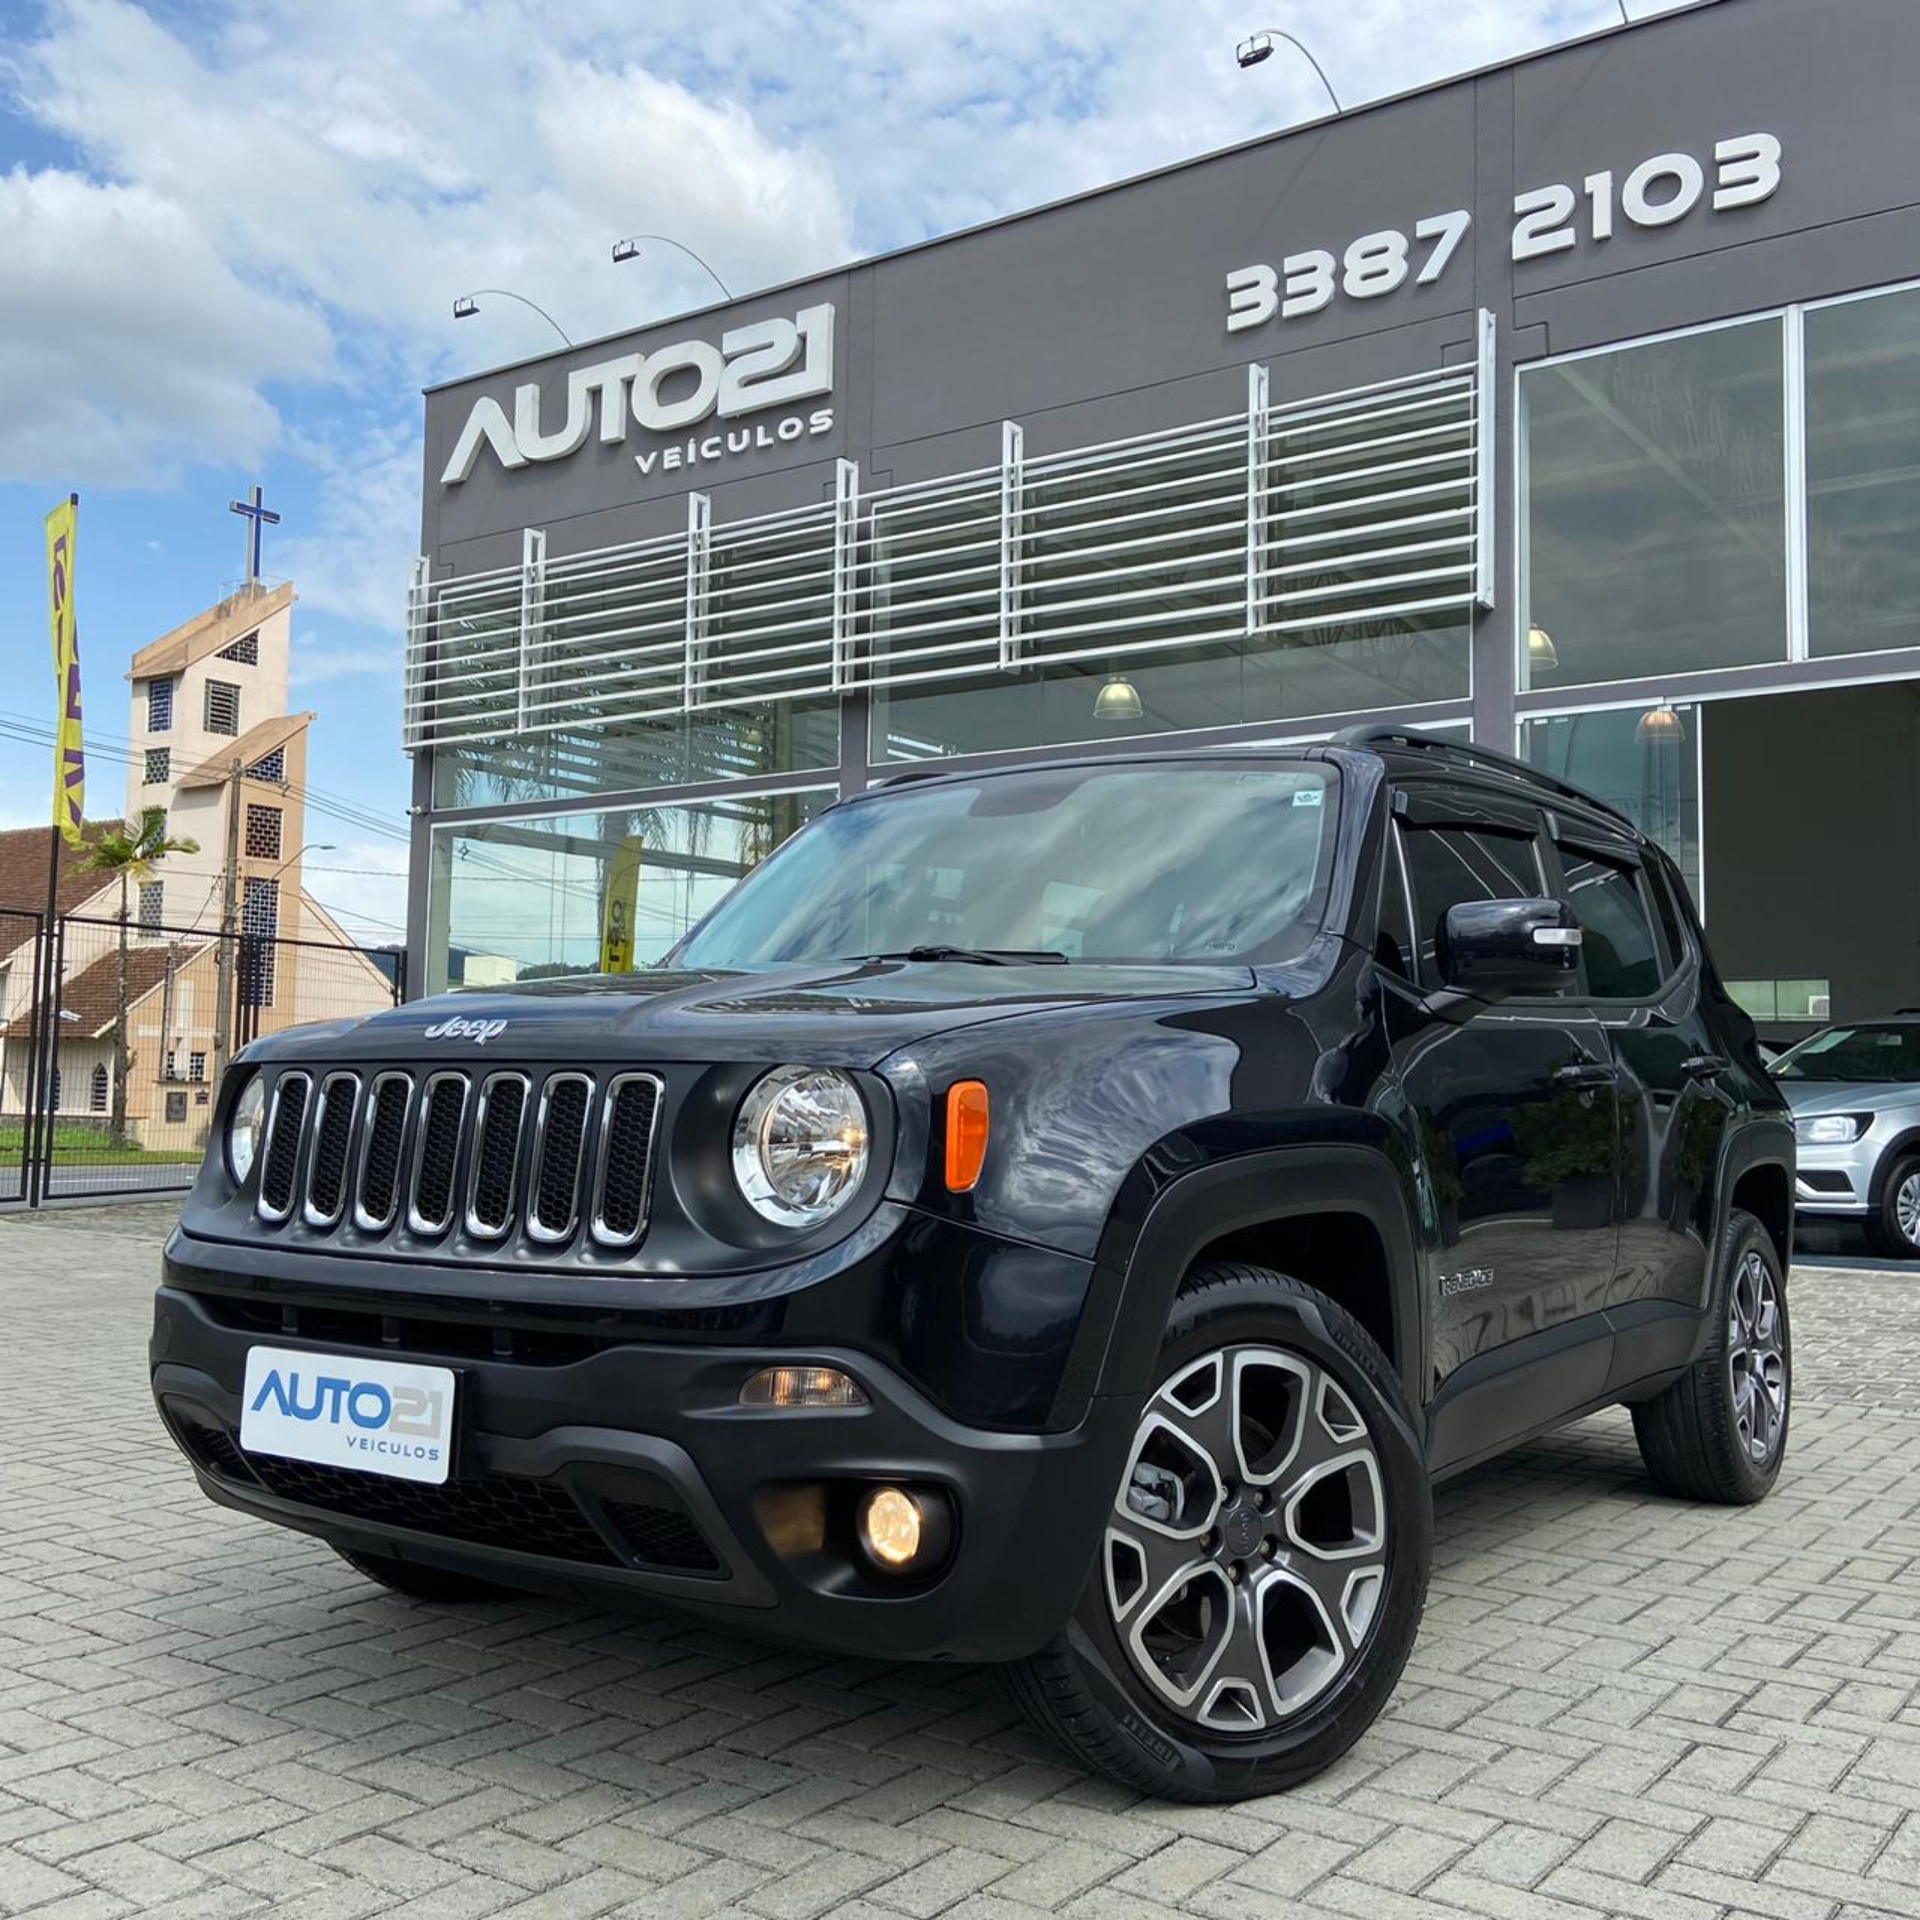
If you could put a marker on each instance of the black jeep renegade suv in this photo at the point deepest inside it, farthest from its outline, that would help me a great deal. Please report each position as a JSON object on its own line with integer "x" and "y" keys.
{"x": 1065, "y": 1216}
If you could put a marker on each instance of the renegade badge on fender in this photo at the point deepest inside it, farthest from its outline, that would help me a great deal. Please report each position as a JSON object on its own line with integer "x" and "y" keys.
{"x": 1066, "y": 1216}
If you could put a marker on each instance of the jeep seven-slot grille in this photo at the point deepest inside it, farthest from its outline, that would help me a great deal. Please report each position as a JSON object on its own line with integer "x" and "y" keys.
{"x": 563, "y": 1132}
{"x": 286, "y": 1117}
{"x": 480, "y": 1155}
{"x": 386, "y": 1125}
{"x": 438, "y": 1154}
{"x": 332, "y": 1142}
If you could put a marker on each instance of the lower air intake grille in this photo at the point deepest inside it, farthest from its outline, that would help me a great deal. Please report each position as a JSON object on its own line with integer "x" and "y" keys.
{"x": 495, "y": 1510}
{"x": 663, "y": 1537}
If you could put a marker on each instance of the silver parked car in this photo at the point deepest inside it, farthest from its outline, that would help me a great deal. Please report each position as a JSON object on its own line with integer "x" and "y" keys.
{"x": 1855, "y": 1094}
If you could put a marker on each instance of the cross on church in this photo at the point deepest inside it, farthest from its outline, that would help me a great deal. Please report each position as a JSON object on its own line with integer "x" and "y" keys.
{"x": 257, "y": 518}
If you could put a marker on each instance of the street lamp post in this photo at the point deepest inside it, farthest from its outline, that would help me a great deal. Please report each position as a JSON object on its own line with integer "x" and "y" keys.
{"x": 312, "y": 846}
{"x": 1250, "y": 52}
{"x": 631, "y": 249}
{"x": 469, "y": 304}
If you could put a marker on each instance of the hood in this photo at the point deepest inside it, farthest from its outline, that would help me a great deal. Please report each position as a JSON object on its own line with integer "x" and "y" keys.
{"x": 1848, "y": 1096}
{"x": 844, "y": 1014}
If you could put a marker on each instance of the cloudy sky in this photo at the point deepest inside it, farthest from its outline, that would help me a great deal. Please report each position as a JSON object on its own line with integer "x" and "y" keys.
{"x": 231, "y": 234}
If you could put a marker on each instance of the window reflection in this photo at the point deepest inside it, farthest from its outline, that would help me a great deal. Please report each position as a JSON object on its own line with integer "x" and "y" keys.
{"x": 1649, "y": 771}
{"x": 531, "y": 899}
{"x": 1654, "y": 527}
{"x": 1863, "y": 480}
{"x": 725, "y": 743}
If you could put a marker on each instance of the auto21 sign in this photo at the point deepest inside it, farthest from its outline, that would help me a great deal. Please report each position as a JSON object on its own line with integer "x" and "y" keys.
{"x": 1656, "y": 192}
{"x": 673, "y": 390}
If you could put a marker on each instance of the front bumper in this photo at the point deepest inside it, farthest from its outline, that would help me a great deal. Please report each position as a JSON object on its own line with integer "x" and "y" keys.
{"x": 616, "y": 1470}
{"x": 1839, "y": 1180}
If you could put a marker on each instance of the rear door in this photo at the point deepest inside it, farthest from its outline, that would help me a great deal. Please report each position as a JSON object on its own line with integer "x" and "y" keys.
{"x": 1641, "y": 977}
{"x": 1514, "y": 1111}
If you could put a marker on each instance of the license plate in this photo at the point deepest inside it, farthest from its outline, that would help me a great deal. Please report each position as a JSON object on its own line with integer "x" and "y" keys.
{"x": 371, "y": 1416}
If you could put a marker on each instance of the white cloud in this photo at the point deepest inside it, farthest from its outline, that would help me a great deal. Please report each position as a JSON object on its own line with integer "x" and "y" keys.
{"x": 354, "y": 563}
{"x": 127, "y": 345}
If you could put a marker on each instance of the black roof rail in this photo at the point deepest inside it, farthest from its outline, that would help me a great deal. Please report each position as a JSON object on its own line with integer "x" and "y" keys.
{"x": 1381, "y": 733}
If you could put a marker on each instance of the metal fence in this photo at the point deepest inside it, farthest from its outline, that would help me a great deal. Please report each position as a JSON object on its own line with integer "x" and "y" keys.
{"x": 107, "y": 1082}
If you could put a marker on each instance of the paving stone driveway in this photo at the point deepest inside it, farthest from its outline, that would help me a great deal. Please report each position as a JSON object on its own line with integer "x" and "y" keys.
{"x": 1618, "y": 1705}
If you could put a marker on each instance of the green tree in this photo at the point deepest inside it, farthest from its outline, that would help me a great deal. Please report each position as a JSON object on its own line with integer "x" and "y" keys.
{"x": 130, "y": 853}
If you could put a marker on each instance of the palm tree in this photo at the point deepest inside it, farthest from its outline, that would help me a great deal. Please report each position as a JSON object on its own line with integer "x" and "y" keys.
{"x": 130, "y": 852}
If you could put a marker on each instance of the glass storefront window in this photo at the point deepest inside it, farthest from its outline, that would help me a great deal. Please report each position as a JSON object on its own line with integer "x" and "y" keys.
{"x": 530, "y": 899}
{"x": 1863, "y": 483}
{"x": 1654, "y": 522}
{"x": 1643, "y": 760}
{"x": 1411, "y": 660}
{"x": 722, "y": 743}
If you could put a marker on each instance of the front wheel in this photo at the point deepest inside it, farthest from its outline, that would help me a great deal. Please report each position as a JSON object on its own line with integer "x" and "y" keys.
{"x": 1263, "y": 1564}
{"x": 1894, "y": 1227}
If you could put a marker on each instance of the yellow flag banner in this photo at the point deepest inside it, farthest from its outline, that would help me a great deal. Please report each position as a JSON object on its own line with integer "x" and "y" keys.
{"x": 622, "y": 906}
{"x": 69, "y": 746}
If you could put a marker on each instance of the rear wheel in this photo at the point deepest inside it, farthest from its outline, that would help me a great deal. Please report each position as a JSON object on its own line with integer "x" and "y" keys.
{"x": 1263, "y": 1564}
{"x": 1719, "y": 1432}
{"x": 418, "y": 1582}
{"x": 1895, "y": 1226}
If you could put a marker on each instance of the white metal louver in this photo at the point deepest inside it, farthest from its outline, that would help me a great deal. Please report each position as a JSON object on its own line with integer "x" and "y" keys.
{"x": 1354, "y": 512}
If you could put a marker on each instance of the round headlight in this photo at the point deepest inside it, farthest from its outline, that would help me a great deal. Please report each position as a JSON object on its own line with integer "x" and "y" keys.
{"x": 800, "y": 1144}
{"x": 243, "y": 1129}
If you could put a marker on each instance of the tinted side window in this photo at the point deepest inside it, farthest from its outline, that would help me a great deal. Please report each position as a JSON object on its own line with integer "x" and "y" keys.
{"x": 1667, "y": 888}
{"x": 1447, "y": 865}
{"x": 1622, "y": 958}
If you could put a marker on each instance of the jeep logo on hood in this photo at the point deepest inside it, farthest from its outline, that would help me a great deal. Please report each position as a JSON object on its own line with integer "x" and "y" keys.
{"x": 459, "y": 1027}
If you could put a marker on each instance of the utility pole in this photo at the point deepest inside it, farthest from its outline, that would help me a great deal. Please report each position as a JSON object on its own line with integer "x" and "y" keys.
{"x": 227, "y": 972}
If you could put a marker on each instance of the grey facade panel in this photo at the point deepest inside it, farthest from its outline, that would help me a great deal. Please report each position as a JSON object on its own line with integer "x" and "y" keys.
{"x": 1106, "y": 315}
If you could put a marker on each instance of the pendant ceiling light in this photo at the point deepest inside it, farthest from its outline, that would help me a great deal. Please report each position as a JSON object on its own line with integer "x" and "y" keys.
{"x": 1541, "y": 657}
{"x": 1661, "y": 725}
{"x": 1118, "y": 700}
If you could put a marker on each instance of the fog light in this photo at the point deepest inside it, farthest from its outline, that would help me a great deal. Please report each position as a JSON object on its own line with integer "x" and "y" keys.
{"x": 892, "y": 1527}
{"x": 815, "y": 1389}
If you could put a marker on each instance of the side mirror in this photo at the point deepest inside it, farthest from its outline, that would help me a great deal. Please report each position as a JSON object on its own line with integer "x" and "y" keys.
{"x": 1491, "y": 948}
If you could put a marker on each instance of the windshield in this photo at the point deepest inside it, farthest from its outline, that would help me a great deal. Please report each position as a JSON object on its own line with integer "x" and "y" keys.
{"x": 1855, "y": 1053}
{"x": 1174, "y": 862}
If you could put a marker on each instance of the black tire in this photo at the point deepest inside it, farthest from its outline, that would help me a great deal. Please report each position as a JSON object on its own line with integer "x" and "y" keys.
{"x": 1694, "y": 1438}
{"x": 410, "y": 1578}
{"x": 1085, "y": 1689}
{"x": 1883, "y": 1227}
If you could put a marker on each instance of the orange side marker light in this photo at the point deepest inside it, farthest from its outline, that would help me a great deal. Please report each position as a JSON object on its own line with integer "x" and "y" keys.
{"x": 966, "y": 1134}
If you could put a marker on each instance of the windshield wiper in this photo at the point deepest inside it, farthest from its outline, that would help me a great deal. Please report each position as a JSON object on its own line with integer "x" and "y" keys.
{"x": 980, "y": 956}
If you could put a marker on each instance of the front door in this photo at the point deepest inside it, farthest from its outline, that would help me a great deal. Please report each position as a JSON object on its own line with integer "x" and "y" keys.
{"x": 1515, "y": 1114}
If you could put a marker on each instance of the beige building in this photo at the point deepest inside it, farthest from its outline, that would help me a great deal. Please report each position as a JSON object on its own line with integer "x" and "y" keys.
{"x": 214, "y": 745}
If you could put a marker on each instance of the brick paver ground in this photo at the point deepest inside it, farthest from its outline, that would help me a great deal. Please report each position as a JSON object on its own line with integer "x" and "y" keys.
{"x": 1619, "y": 1705}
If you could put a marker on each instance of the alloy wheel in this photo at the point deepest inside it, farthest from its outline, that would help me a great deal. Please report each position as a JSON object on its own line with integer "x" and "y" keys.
{"x": 1246, "y": 1554}
{"x": 1906, "y": 1208}
{"x": 1757, "y": 1358}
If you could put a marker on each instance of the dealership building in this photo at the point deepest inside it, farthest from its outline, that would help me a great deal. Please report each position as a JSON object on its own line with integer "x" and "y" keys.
{"x": 1572, "y": 406}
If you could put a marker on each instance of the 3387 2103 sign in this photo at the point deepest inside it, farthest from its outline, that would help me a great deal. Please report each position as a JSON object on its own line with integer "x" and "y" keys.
{"x": 1742, "y": 171}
